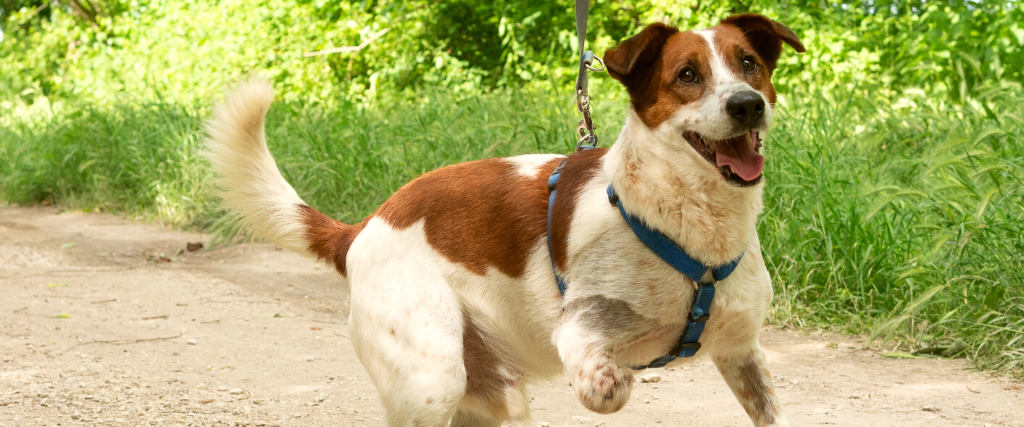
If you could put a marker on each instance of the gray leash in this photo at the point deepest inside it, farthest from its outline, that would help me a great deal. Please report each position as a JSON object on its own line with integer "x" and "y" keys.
{"x": 585, "y": 128}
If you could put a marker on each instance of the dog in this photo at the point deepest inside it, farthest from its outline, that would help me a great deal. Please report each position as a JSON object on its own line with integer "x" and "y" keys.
{"x": 454, "y": 304}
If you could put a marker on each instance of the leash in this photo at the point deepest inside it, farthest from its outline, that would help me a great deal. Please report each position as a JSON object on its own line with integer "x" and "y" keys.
{"x": 689, "y": 342}
{"x": 585, "y": 127}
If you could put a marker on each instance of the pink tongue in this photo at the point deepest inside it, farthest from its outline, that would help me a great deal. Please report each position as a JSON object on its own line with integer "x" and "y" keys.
{"x": 739, "y": 154}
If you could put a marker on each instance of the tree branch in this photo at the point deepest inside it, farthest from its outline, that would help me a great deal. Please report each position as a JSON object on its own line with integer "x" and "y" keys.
{"x": 88, "y": 14}
{"x": 348, "y": 48}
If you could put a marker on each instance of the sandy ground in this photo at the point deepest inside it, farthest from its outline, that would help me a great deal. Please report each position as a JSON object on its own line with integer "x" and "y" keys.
{"x": 104, "y": 321}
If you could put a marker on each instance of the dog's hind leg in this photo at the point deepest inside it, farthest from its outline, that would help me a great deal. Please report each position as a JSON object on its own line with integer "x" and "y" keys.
{"x": 413, "y": 353}
{"x": 469, "y": 419}
{"x": 406, "y": 325}
{"x": 746, "y": 371}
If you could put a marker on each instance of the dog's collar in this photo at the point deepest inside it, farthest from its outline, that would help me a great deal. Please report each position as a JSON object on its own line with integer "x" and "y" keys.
{"x": 667, "y": 250}
{"x": 671, "y": 253}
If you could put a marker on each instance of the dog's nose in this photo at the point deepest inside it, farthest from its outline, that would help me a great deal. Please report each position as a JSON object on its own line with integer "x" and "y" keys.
{"x": 745, "y": 107}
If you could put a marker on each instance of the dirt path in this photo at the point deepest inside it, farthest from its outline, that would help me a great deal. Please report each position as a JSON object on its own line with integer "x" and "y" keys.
{"x": 104, "y": 322}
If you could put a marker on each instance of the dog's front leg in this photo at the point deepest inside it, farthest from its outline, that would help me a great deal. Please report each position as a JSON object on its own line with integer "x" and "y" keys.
{"x": 600, "y": 384}
{"x": 746, "y": 371}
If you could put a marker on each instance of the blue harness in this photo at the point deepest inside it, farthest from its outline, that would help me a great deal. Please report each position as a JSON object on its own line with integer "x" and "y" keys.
{"x": 668, "y": 251}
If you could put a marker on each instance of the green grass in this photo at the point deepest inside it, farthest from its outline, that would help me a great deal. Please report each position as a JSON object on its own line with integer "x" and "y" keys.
{"x": 904, "y": 223}
{"x": 345, "y": 159}
{"x": 901, "y": 220}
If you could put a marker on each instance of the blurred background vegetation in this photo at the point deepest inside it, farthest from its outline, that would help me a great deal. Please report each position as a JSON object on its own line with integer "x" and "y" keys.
{"x": 894, "y": 201}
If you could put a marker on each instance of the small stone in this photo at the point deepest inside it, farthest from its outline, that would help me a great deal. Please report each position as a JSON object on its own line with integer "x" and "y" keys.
{"x": 192, "y": 341}
{"x": 76, "y": 416}
{"x": 544, "y": 424}
{"x": 650, "y": 378}
{"x": 310, "y": 359}
{"x": 235, "y": 391}
{"x": 930, "y": 408}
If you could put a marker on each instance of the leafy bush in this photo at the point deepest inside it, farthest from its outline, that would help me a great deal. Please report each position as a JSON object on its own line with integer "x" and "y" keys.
{"x": 186, "y": 50}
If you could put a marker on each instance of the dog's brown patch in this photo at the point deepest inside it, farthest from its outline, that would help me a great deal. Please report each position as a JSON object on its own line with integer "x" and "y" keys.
{"x": 486, "y": 378}
{"x": 732, "y": 44}
{"x": 758, "y": 391}
{"x": 579, "y": 169}
{"x": 478, "y": 214}
{"x": 762, "y": 35}
{"x": 664, "y": 93}
{"x": 637, "y": 63}
{"x": 652, "y": 79}
{"x": 328, "y": 238}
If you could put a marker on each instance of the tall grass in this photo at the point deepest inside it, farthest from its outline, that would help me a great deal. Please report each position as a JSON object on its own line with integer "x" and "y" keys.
{"x": 140, "y": 159}
{"x": 346, "y": 159}
{"x": 902, "y": 220}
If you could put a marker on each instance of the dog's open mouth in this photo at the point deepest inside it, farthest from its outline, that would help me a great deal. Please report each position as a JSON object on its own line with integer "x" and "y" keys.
{"x": 737, "y": 158}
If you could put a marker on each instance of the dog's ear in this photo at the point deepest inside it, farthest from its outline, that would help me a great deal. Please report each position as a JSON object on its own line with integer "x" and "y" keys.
{"x": 630, "y": 60}
{"x": 765, "y": 35}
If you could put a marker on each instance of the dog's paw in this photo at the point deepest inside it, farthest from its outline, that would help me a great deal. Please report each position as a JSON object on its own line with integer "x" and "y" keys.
{"x": 602, "y": 386}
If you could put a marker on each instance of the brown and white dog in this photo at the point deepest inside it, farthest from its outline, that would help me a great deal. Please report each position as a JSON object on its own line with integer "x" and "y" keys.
{"x": 454, "y": 307}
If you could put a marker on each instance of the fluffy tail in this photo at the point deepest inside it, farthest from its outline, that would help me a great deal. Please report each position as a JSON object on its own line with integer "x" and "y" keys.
{"x": 253, "y": 188}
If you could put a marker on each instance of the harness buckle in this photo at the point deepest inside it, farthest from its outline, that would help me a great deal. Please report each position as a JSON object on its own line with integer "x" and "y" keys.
{"x": 701, "y": 319}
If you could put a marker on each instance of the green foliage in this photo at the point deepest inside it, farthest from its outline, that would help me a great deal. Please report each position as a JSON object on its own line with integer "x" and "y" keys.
{"x": 187, "y": 50}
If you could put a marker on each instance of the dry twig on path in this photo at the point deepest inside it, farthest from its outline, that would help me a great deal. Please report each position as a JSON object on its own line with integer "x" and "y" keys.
{"x": 127, "y": 341}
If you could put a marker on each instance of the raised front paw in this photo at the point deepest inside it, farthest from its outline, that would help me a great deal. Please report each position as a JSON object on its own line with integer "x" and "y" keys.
{"x": 602, "y": 386}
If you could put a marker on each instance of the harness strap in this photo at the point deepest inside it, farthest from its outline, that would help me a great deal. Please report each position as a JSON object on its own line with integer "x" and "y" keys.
{"x": 671, "y": 253}
{"x": 668, "y": 250}
{"x": 552, "y": 188}
{"x": 689, "y": 341}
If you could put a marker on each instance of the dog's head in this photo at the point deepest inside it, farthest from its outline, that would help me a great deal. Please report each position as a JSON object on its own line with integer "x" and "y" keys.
{"x": 709, "y": 89}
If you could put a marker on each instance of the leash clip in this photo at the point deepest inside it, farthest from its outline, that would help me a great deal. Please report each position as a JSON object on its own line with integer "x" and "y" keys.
{"x": 585, "y": 128}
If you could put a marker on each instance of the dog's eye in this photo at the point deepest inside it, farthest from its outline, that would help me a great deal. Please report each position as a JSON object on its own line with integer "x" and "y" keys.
{"x": 748, "y": 64}
{"x": 687, "y": 76}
